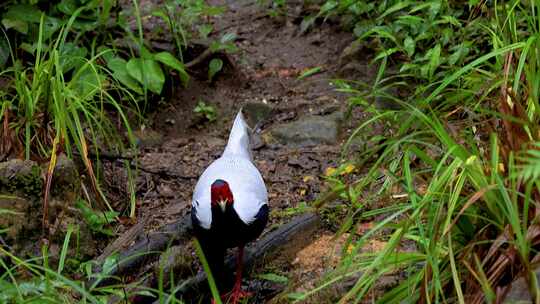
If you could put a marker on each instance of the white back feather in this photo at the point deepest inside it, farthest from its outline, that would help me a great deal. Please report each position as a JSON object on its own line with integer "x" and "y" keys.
{"x": 236, "y": 168}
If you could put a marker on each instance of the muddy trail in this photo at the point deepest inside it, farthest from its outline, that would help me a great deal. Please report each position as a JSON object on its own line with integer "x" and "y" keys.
{"x": 303, "y": 123}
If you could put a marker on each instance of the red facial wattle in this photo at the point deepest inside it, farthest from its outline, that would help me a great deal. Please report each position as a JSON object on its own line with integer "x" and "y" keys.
{"x": 221, "y": 192}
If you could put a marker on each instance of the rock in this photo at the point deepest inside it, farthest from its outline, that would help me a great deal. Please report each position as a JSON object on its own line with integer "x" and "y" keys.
{"x": 257, "y": 142}
{"x": 519, "y": 291}
{"x": 86, "y": 245}
{"x": 355, "y": 70}
{"x": 21, "y": 198}
{"x": 256, "y": 112}
{"x": 66, "y": 183}
{"x": 351, "y": 52}
{"x": 386, "y": 101}
{"x": 307, "y": 131}
{"x": 176, "y": 260}
{"x": 14, "y": 217}
{"x": 20, "y": 189}
{"x": 20, "y": 177}
{"x": 145, "y": 138}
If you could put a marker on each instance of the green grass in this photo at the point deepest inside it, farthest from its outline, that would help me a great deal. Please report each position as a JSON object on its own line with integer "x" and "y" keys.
{"x": 69, "y": 88}
{"x": 460, "y": 153}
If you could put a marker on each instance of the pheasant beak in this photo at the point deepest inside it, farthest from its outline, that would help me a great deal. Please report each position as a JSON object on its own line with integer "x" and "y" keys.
{"x": 222, "y": 204}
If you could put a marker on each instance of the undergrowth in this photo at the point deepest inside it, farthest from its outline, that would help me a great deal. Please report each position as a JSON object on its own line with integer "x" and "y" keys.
{"x": 457, "y": 166}
{"x": 76, "y": 77}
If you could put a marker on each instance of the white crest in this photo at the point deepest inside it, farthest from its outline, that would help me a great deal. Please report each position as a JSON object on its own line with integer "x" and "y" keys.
{"x": 238, "y": 143}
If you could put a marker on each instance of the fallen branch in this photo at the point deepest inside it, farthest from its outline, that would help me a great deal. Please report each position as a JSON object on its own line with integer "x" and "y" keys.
{"x": 296, "y": 233}
{"x": 146, "y": 248}
{"x": 121, "y": 242}
{"x": 207, "y": 53}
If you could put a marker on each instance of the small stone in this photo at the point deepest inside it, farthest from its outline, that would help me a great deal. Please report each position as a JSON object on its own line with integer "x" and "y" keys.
{"x": 353, "y": 50}
{"x": 307, "y": 131}
{"x": 148, "y": 138}
{"x": 256, "y": 112}
{"x": 165, "y": 190}
{"x": 519, "y": 292}
{"x": 257, "y": 142}
{"x": 21, "y": 177}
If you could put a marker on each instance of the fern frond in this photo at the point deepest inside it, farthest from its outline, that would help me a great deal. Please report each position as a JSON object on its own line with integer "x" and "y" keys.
{"x": 530, "y": 167}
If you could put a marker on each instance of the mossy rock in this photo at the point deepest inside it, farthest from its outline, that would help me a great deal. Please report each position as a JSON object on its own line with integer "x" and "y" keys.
{"x": 307, "y": 131}
{"x": 21, "y": 178}
{"x": 66, "y": 183}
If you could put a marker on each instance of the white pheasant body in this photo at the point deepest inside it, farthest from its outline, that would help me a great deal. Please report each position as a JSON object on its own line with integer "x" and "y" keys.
{"x": 229, "y": 206}
{"x": 234, "y": 166}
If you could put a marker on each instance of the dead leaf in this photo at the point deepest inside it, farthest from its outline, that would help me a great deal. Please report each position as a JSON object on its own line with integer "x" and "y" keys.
{"x": 375, "y": 246}
{"x": 364, "y": 227}
{"x": 330, "y": 171}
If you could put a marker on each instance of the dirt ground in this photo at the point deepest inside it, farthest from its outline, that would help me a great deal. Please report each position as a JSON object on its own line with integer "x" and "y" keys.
{"x": 175, "y": 146}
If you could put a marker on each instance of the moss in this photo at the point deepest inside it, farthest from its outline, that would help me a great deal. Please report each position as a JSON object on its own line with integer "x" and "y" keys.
{"x": 21, "y": 177}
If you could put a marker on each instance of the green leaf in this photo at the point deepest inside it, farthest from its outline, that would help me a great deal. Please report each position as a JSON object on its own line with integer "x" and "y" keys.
{"x": 214, "y": 67}
{"x": 109, "y": 264}
{"x": 229, "y": 37}
{"x": 310, "y": 72}
{"x": 20, "y": 16}
{"x": 297, "y": 296}
{"x": 382, "y": 31}
{"x": 461, "y": 51}
{"x": 147, "y": 72}
{"x": 394, "y": 8}
{"x": 5, "y": 50}
{"x": 434, "y": 55}
{"x": 72, "y": 56}
{"x": 23, "y": 12}
{"x": 67, "y": 7}
{"x": 205, "y": 30}
{"x": 95, "y": 220}
{"x": 169, "y": 60}
{"x": 87, "y": 82}
{"x": 409, "y": 46}
{"x": 328, "y": 7}
{"x": 385, "y": 53}
{"x": 18, "y": 25}
{"x": 119, "y": 68}
{"x": 272, "y": 277}
{"x": 307, "y": 22}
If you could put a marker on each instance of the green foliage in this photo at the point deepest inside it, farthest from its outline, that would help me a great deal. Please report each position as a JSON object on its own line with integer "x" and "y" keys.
{"x": 530, "y": 170}
{"x": 457, "y": 163}
{"x": 184, "y": 20}
{"x": 310, "y": 72}
{"x": 41, "y": 284}
{"x": 426, "y": 37}
{"x": 272, "y": 277}
{"x": 206, "y": 267}
{"x": 206, "y": 111}
{"x": 214, "y": 67}
{"x": 97, "y": 221}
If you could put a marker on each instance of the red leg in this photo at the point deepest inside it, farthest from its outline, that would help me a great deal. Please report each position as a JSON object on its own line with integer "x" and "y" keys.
{"x": 237, "y": 293}
{"x": 239, "y": 266}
